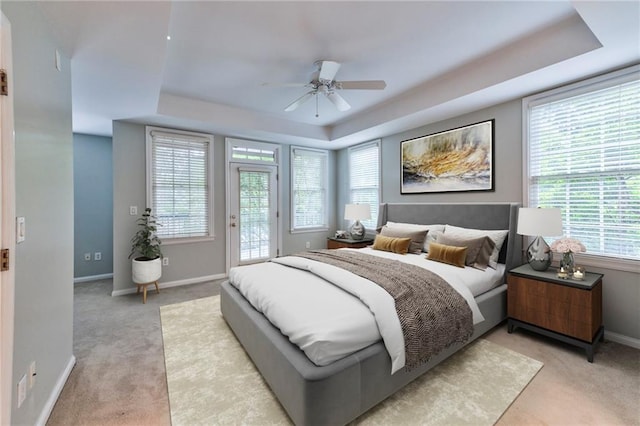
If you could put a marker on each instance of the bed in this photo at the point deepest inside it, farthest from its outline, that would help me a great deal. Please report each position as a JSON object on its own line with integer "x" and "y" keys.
{"x": 339, "y": 392}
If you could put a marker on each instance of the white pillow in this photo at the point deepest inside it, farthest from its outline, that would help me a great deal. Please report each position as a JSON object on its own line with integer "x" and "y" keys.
{"x": 497, "y": 237}
{"x": 432, "y": 235}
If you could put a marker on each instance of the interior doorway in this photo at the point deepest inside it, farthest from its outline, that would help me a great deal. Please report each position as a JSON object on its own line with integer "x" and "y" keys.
{"x": 7, "y": 224}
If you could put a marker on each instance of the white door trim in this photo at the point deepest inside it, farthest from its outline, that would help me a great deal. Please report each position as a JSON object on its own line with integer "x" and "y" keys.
{"x": 236, "y": 224}
{"x": 229, "y": 144}
{"x": 7, "y": 226}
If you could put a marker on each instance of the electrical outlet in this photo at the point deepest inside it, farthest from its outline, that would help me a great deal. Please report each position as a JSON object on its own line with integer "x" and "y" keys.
{"x": 165, "y": 261}
{"x": 32, "y": 374}
{"x": 22, "y": 390}
{"x": 87, "y": 256}
{"x": 307, "y": 244}
{"x": 97, "y": 256}
{"x": 133, "y": 210}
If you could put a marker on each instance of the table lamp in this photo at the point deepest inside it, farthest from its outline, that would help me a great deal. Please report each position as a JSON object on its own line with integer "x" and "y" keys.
{"x": 357, "y": 212}
{"x": 537, "y": 222}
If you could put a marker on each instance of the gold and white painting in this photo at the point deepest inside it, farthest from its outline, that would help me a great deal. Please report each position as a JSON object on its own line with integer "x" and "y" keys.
{"x": 460, "y": 159}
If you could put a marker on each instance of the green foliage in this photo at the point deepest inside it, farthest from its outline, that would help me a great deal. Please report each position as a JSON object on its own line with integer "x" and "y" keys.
{"x": 145, "y": 242}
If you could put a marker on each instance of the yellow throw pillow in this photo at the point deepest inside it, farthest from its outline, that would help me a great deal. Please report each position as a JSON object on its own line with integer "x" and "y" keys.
{"x": 395, "y": 245}
{"x": 447, "y": 254}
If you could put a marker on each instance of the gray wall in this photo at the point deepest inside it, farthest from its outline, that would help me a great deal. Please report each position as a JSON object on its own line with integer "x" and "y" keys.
{"x": 44, "y": 196}
{"x": 187, "y": 261}
{"x": 93, "y": 207}
{"x": 621, "y": 292}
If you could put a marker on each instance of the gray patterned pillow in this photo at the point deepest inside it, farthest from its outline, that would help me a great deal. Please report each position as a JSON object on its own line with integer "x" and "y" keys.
{"x": 433, "y": 231}
{"x": 497, "y": 236}
{"x": 479, "y": 249}
{"x": 417, "y": 237}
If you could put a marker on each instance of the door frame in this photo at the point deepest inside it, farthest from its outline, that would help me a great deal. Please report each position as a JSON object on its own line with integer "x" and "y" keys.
{"x": 7, "y": 226}
{"x": 235, "y": 231}
{"x": 277, "y": 149}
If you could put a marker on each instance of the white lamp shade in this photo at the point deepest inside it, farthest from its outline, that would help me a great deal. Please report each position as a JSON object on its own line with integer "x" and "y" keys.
{"x": 357, "y": 212}
{"x": 538, "y": 221}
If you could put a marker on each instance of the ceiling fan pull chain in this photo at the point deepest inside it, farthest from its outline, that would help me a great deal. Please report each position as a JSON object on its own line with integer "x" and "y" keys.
{"x": 317, "y": 115}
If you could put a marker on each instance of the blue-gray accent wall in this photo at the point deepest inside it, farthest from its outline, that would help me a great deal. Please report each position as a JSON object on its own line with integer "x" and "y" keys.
{"x": 93, "y": 207}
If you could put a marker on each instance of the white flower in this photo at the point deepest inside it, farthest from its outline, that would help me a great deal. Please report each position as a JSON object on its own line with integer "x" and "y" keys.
{"x": 568, "y": 245}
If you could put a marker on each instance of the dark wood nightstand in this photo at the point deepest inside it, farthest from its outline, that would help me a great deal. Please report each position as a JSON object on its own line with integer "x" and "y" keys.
{"x": 564, "y": 309}
{"x": 334, "y": 243}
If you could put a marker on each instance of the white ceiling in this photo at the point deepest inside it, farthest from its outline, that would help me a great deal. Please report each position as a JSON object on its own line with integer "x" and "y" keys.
{"x": 439, "y": 59}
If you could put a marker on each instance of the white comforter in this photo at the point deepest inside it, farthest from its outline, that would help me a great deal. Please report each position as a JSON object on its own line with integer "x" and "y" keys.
{"x": 331, "y": 313}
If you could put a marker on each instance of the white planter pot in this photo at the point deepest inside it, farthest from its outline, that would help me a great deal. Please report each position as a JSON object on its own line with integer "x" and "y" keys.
{"x": 146, "y": 271}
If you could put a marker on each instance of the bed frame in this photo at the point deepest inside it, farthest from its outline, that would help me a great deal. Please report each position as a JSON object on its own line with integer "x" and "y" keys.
{"x": 340, "y": 392}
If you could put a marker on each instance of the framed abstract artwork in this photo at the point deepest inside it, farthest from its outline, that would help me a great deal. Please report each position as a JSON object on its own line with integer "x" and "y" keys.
{"x": 455, "y": 160}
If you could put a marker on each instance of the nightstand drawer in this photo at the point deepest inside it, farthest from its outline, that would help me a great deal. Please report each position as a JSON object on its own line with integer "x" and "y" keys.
{"x": 547, "y": 307}
{"x": 570, "y": 323}
{"x": 553, "y": 293}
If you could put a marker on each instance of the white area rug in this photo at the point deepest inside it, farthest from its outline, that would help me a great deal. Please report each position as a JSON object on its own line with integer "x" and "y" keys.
{"x": 212, "y": 381}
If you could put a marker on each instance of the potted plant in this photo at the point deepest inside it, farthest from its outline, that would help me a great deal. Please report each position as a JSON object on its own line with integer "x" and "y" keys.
{"x": 146, "y": 267}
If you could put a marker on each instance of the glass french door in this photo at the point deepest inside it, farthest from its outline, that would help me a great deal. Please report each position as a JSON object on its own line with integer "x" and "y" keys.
{"x": 253, "y": 214}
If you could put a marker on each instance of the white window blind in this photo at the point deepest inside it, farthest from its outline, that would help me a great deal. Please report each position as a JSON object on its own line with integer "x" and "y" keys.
{"x": 309, "y": 189}
{"x": 244, "y": 153}
{"x": 584, "y": 157}
{"x": 364, "y": 179}
{"x": 179, "y": 183}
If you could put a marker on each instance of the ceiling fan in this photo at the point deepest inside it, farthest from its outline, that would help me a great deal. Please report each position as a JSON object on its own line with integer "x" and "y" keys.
{"x": 322, "y": 82}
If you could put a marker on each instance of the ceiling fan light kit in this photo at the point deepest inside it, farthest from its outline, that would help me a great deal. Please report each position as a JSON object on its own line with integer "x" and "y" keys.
{"x": 325, "y": 83}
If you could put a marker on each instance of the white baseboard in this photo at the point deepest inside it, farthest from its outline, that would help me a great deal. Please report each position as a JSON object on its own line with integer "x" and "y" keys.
{"x": 55, "y": 393}
{"x": 176, "y": 283}
{"x": 622, "y": 339}
{"x": 92, "y": 278}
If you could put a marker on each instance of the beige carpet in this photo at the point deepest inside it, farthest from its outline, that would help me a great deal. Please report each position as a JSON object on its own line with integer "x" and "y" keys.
{"x": 212, "y": 381}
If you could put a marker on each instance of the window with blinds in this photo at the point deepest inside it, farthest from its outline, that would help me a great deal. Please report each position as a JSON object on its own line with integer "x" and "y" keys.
{"x": 364, "y": 179}
{"x": 584, "y": 157}
{"x": 309, "y": 180}
{"x": 179, "y": 183}
{"x": 245, "y": 154}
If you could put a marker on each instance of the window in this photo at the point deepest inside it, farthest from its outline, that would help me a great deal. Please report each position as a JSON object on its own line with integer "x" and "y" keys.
{"x": 364, "y": 179}
{"x": 179, "y": 182}
{"x": 584, "y": 157}
{"x": 309, "y": 189}
{"x": 252, "y": 154}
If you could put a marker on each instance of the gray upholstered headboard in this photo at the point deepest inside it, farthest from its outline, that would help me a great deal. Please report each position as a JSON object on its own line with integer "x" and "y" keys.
{"x": 466, "y": 215}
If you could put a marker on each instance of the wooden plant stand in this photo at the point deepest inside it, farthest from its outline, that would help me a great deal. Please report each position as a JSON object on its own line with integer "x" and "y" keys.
{"x": 144, "y": 289}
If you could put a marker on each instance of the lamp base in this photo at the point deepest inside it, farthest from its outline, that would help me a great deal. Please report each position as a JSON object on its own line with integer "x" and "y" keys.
{"x": 539, "y": 254}
{"x": 357, "y": 230}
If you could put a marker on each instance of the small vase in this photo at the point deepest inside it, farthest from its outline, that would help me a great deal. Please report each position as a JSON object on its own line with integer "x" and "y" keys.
{"x": 567, "y": 262}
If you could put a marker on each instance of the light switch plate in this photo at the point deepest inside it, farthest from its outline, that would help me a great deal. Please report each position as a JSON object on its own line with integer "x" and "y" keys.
{"x": 20, "y": 229}
{"x": 22, "y": 390}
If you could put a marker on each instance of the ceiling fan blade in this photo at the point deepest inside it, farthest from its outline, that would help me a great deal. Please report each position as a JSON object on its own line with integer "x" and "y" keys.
{"x": 338, "y": 101}
{"x": 302, "y": 99}
{"x": 361, "y": 85}
{"x": 267, "y": 84}
{"x": 328, "y": 70}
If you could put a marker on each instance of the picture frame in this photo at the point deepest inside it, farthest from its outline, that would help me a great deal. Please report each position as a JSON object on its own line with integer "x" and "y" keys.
{"x": 456, "y": 160}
